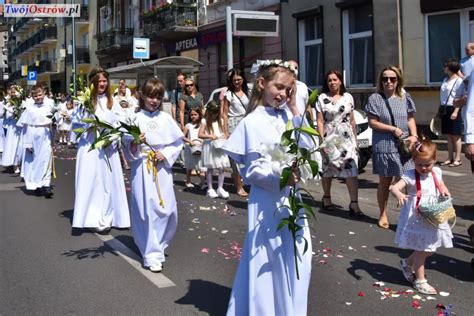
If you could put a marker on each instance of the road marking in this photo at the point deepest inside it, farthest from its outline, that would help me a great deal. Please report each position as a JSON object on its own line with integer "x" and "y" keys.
{"x": 158, "y": 279}
{"x": 10, "y": 186}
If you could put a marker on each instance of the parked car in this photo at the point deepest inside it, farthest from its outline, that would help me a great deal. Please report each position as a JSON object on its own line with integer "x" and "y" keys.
{"x": 363, "y": 130}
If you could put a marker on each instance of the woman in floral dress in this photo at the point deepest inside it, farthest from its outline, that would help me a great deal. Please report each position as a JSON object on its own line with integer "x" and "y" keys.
{"x": 336, "y": 120}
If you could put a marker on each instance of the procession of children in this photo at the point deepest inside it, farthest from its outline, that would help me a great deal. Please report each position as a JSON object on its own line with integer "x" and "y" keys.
{"x": 209, "y": 149}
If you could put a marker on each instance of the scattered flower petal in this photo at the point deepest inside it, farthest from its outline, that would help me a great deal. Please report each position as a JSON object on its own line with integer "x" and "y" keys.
{"x": 379, "y": 284}
{"x": 351, "y": 233}
{"x": 416, "y": 297}
{"x": 430, "y": 298}
{"x": 416, "y": 304}
{"x": 348, "y": 303}
{"x": 205, "y": 250}
{"x": 361, "y": 294}
{"x": 443, "y": 293}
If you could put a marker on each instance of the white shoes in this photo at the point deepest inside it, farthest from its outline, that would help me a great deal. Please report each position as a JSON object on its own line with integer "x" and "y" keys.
{"x": 189, "y": 185}
{"x": 157, "y": 267}
{"x": 212, "y": 193}
{"x": 17, "y": 170}
{"x": 222, "y": 193}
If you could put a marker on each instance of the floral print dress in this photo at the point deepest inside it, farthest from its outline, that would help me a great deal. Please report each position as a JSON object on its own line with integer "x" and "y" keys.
{"x": 339, "y": 160}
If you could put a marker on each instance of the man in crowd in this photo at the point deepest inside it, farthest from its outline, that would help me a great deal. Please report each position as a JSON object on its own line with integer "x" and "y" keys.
{"x": 176, "y": 94}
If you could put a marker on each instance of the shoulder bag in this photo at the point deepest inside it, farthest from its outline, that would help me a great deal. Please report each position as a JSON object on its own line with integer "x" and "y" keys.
{"x": 404, "y": 152}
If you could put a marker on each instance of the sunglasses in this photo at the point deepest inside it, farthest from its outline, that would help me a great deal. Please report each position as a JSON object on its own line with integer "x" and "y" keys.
{"x": 189, "y": 85}
{"x": 391, "y": 79}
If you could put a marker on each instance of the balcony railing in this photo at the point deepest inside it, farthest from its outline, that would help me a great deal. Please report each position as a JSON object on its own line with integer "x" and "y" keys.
{"x": 84, "y": 18}
{"x": 46, "y": 34}
{"x": 115, "y": 38}
{"x": 45, "y": 65}
{"x": 177, "y": 17}
{"x": 82, "y": 56}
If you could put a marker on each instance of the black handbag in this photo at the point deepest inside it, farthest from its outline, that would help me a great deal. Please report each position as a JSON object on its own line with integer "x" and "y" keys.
{"x": 442, "y": 110}
{"x": 403, "y": 150}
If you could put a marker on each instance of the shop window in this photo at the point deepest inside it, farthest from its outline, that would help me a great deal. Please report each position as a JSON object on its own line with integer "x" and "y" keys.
{"x": 358, "y": 45}
{"x": 446, "y": 35}
{"x": 310, "y": 44}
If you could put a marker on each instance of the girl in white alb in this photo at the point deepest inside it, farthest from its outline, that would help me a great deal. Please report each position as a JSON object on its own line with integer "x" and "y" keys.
{"x": 153, "y": 206}
{"x": 213, "y": 157}
{"x": 193, "y": 147}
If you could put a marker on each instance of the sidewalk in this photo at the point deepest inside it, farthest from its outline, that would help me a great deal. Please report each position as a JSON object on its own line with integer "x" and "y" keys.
{"x": 459, "y": 181}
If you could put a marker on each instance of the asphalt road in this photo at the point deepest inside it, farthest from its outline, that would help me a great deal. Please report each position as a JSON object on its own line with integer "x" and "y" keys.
{"x": 46, "y": 268}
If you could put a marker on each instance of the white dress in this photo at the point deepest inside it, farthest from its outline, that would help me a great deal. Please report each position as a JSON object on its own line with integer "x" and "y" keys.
{"x": 37, "y": 165}
{"x": 266, "y": 282}
{"x": 213, "y": 157}
{"x": 192, "y": 161}
{"x": 153, "y": 225}
{"x": 100, "y": 200}
{"x": 2, "y": 133}
{"x": 413, "y": 231}
{"x": 237, "y": 108}
{"x": 12, "y": 151}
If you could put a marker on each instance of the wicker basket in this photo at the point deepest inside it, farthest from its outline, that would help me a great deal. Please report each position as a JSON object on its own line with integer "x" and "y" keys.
{"x": 438, "y": 210}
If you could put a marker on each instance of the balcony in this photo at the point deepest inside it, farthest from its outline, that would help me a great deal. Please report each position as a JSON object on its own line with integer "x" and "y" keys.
{"x": 82, "y": 56}
{"x": 115, "y": 39}
{"x": 83, "y": 19}
{"x": 173, "y": 21}
{"x": 44, "y": 36}
{"x": 45, "y": 66}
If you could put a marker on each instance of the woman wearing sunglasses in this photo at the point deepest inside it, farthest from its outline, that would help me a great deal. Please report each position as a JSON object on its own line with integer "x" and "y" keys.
{"x": 190, "y": 99}
{"x": 391, "y": 116}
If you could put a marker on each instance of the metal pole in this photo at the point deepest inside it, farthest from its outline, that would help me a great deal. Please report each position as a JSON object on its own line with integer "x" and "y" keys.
{"x": 74, "y": 52}
{"x": 228, "y": 29}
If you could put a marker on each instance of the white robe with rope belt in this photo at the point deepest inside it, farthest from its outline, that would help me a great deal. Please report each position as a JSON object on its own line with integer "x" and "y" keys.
{"x": 154, "y": 225}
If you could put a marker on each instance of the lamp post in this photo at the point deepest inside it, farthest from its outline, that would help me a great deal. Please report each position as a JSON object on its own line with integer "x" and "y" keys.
{"x": 74, "y": 52}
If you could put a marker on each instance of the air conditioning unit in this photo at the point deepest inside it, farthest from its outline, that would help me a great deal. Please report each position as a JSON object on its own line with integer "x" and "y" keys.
{"x": 255, "y": 25}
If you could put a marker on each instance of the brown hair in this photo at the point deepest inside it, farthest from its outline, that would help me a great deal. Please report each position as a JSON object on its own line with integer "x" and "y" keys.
{"x": 267, "y": 74}
{"x": 212, "y": 109}
{"x": 152, "y": 88}
{"x": 425, "y": 149}
{"x": 199, "y": 112}
{"x": 37, "y": 87}
{"x": 400, "y": 82}
{"x": 94, "y": 79}
{"x": 338, "y": 74}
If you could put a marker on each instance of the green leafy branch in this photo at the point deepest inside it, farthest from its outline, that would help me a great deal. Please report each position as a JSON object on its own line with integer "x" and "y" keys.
{"x": 301, "y": 158}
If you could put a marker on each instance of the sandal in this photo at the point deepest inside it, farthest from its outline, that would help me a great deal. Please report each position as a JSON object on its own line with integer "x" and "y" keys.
{"x": 327, "y": 207}
{"x": 455, "y": 163}
{"x": 407, "y": 271}
{"x": 242, "y": 193}
{"x": 353, "y": 212}
{"x": 383, "y": 224}
{"x": 423, "y": 287}
{"x": 447, "y": 163}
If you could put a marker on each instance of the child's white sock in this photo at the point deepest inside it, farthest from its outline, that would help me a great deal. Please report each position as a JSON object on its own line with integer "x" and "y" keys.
{"x": 220, "y": 179}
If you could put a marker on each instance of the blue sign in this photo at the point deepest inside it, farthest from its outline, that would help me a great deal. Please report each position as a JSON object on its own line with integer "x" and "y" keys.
{"x": 141, "y": 48}
{"x": 32, "y": 75}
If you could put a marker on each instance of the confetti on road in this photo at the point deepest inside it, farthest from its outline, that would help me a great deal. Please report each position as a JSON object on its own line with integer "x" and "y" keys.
{"x": 361, "y": 294}
{"x": 351, "y": 233}
{"x": 348, "y": 303}
{"x": 205, "y": 250}
{"x": 416, "y": 304}
{"x": 195, "y": 221}
{"x": 224, "y": 232}
{"x": 379, "y": 284}
{"x": 443, "y": 293}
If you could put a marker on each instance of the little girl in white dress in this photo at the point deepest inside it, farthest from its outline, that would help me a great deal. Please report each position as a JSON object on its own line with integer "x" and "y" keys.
{"x": 413, "y": 230}
{"x": 193, "y": 147}
{"x": 213, "y": 157}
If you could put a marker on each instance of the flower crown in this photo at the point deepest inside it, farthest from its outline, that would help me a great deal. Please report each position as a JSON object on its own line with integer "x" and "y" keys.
{"x": 263, "y": 64}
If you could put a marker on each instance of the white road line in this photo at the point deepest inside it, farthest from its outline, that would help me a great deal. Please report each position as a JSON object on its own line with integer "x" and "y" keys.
{"x": 158, "y": 279}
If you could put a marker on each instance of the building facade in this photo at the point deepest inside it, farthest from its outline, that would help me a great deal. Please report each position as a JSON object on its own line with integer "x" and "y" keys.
{"x": 45, "y": 45}
{"x": 360, "y": 37}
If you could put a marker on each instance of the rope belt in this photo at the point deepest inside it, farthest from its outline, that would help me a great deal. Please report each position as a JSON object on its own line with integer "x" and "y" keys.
{"x": 151, "y": 165}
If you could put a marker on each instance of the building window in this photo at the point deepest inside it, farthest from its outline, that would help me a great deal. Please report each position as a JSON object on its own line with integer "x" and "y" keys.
{"x": 358, "y": 45}
{"x": 310, "y": 44}
{"x": 447, "y": 34}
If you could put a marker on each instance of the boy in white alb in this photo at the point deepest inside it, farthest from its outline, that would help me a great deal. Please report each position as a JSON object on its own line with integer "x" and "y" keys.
{"x": 38, "y": 160}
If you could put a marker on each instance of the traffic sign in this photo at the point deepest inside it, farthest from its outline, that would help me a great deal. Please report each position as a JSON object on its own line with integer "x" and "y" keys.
{"x": 141, "y": 48}
{"x": 32, "y": 75}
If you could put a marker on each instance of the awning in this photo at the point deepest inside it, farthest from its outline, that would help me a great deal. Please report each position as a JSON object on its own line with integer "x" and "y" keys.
{"x": 152, "y": 66}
